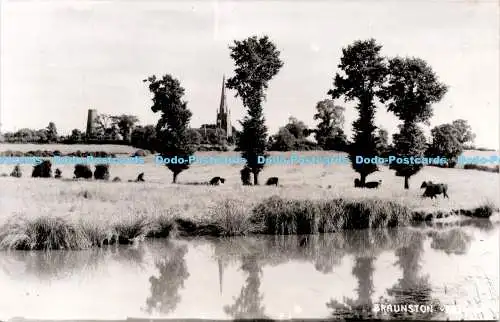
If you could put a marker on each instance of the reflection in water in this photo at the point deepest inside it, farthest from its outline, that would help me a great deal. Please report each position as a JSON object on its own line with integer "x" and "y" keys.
{"x": 363, "y": 271}
{"x": 362, "y": 306}
{"x": 454, "y": 241}
{"x": 165, "y": 288}
{"x": 412, "y": 288}
{"x": 329, "y": 266}
{"x": 60, "y": 264}
{"x": 249, "y": 303}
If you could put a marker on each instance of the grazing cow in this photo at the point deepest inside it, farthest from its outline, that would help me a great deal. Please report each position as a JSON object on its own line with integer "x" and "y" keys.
{"x": 373, "y": 184}
{"x": 215, "y": 181}
{"x": 357, "y": 183}
{"x": 117, "y": 179}
{"x": 272, "y": 181}
{"x": 140, "y": 177}
{"x": 434, "y": 189}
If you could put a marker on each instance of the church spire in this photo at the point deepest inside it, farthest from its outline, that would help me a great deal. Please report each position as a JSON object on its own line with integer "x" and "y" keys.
{"x": 223, "y": 114}
{"x": 223, "y": 103}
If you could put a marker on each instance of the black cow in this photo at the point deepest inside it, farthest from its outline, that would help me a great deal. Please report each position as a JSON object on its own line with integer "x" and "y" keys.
{"x": 373, "y": 184}
{"x": 215, "y": 181}
{"x": 273, "y": 181}
{"x": 434, "y": 189}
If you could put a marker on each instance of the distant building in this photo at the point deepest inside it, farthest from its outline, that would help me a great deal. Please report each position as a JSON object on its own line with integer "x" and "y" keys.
{"x": 223, "y": 120}
{"x": 91, "y": 122}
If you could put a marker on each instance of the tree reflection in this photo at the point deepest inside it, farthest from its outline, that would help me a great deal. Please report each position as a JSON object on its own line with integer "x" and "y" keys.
{"x": 165, "y": 288}
{"x": 360, "y": 307}
{"x": 412, "y": 288}
{"x": 364, "y": 243}
{"x": 249, "y": 303}
{"x": 455, "y": 241}
{"x": 59, "y": 264}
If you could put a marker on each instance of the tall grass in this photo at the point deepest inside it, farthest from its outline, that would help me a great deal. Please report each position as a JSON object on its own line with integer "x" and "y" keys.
{"x": 274, "y": 215}
{"x": 284, "y": 216}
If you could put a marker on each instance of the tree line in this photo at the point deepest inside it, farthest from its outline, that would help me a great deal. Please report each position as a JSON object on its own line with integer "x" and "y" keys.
{"x": 404, "y": 86}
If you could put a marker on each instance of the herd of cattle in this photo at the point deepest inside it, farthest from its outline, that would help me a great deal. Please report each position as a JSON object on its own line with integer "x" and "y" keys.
{"x": 432, "y": 190}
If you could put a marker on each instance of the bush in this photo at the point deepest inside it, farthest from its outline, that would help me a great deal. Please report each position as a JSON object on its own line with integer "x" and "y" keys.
{"x": 209, "y": 147}
{"x": 470, "y": 166}
{"x": 140, "y": 153}
{"x": 82, "y": 171}
{"x": 305, "y": 145}
{"x": 42, "y": 170}
{"x": 16, "y": 173}
{"x": 101, "y": 172}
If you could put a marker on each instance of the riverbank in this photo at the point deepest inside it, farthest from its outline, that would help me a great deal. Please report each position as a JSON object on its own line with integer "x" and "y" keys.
{"x": 274, "y": 216}
{"x": 39, "y": 213}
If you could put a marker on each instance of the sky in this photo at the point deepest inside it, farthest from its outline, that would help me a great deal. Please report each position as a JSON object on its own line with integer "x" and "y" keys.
{"x": 59, "y": 58}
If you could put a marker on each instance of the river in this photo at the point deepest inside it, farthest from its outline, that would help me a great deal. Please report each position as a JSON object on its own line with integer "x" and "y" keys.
{"x": 347, "y": 273}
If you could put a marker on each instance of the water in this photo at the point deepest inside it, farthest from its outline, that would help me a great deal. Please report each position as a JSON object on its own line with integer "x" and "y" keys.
{"x": 272, "y": 277}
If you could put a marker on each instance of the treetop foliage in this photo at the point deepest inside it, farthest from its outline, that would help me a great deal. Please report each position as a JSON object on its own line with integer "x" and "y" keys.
{"x": 257, "y": 62}
{"x": 167, "y": 99}
{"x": 411, "y": 89}
{"x": 364, "y": 69}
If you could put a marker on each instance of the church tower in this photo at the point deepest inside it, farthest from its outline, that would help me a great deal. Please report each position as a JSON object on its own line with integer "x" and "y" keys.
{"x": 223, "y": 113}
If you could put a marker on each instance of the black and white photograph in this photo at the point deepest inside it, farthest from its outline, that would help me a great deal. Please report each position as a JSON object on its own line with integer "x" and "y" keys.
{"x": 246, "y": 159}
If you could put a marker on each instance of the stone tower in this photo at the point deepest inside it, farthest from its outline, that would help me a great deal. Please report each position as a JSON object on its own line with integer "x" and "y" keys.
{"x": 91, "y": 122}
{"x": 223, "y": 113}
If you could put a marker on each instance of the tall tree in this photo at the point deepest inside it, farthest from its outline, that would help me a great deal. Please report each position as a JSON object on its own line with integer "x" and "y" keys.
{"x": 445, "y": 143}
{"x": 464, "y": 132}
{"x": 144, "y": 137}
{"x": 257, "y": 61}
{"x": 364, "y": 74}
{"x": 283, "y": 140}
{"x": 125, "y": 124}
{"x": 331, "y": 123}
{"x": 51, "y": 132}
{"x": 172, "y": 128}
{"x": 411, "y": 90}
{"x": 76, "y": 136}
{"x": 103, "y": 127}
{"x": 297, "y": 128}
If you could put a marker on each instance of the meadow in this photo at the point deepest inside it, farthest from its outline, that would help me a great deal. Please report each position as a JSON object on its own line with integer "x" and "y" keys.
{"x": 39, "y": 213}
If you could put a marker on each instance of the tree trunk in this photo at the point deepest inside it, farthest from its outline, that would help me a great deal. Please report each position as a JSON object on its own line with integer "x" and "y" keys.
{"x": 407, "y": 182}
{"x": 363, "y": 179}
{"x": 255, "y": 178}
{"x": 175, "y": 177}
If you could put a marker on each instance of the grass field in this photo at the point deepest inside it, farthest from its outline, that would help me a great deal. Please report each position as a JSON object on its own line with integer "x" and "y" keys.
{"x": 132, "y": 207}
